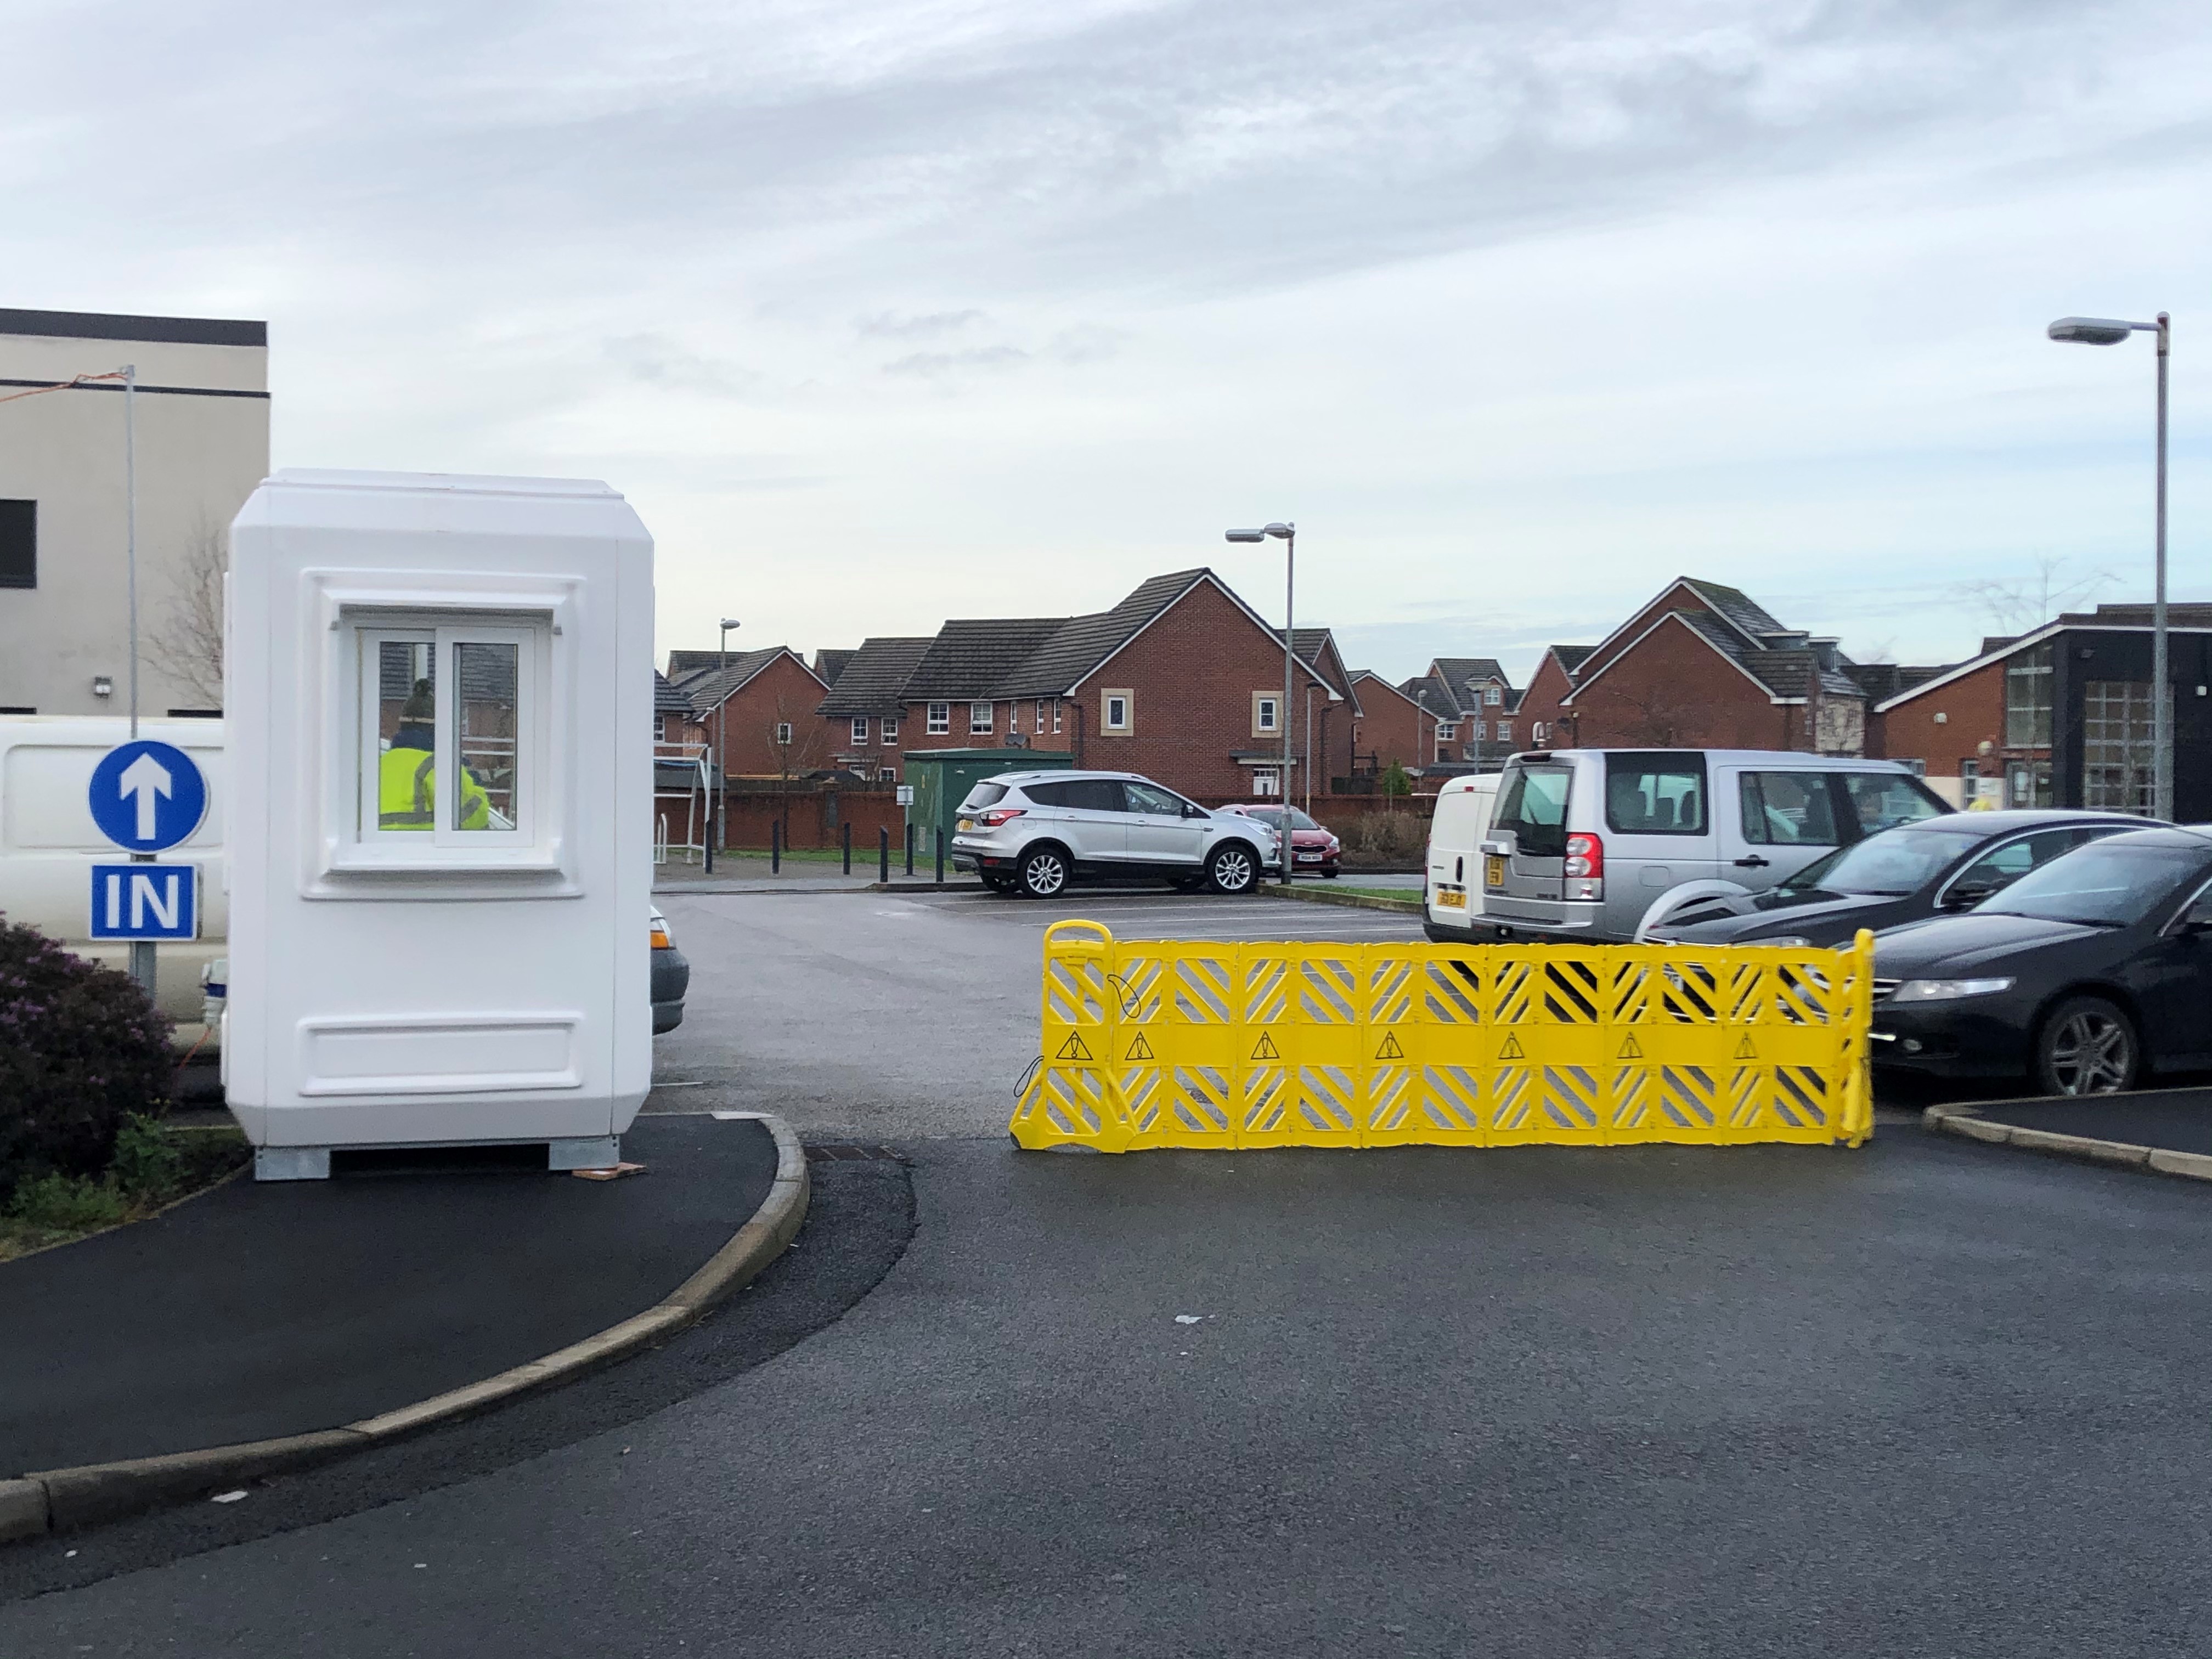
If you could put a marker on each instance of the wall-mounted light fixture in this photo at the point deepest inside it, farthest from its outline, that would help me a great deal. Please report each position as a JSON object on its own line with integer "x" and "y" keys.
{"x": 102, "y": 686}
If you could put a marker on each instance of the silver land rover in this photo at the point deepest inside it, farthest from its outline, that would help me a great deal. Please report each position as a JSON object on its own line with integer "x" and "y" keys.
{"x": 1584, "y": 840}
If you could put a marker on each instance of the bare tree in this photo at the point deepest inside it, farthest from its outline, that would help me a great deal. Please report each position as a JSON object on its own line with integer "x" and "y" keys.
{"x": 1655, "y": 717}
{"x": 2017, "y": 604}
{"x": 794, "y": 736}
{"x": 186, "y": 642}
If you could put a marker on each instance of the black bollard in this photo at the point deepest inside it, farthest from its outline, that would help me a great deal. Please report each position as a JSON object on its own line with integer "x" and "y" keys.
{"x": 775, "y": 848}
{"x": 910, "y": 849}
{"x": 938, "y": 837}
{"x": 846, "y": 835}
{"x": 884, "y": 855}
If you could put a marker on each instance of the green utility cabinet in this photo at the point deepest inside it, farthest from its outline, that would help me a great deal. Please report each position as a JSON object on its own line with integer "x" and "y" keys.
{"x": 942, "y": 778}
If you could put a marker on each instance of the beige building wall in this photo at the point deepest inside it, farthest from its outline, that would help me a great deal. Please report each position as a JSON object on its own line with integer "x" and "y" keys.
{"x": 203, "y": 444}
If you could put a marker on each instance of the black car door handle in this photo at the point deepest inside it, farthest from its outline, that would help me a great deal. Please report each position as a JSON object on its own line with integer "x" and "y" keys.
{"x": 1754, "y": 862}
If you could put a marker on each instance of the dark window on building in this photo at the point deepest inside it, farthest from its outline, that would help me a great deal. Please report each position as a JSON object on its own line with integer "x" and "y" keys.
{"x": 19, "y": 544}
{"x": 2027, "y": 699}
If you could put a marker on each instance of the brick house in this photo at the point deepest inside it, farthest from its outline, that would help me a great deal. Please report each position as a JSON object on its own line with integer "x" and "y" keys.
{"x": 864, "y": 708}
{"x": 1182, "y": 681}
{"x": 1548, "y": 688}
{"x": 1702, "y": 665}
{"x": 1394, "y": 727}
{"x": 2059, "y": 717}
{"x": 763, "y": 707}
{"x": 1476, "y": 710}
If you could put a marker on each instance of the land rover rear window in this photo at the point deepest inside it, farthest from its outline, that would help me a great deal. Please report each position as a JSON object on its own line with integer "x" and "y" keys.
{"x": 1533, "y": 806}
{"x": 1655, "y": 794}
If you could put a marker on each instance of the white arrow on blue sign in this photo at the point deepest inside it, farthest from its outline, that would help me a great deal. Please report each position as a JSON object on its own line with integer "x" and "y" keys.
{"x": 148, "y": 796}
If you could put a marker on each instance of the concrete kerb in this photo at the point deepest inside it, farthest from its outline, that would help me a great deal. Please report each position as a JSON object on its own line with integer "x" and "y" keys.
{"x": 57, "y": 1500}
{"x": 1968, "y": 1122}
{"x": 1351, "y": 901}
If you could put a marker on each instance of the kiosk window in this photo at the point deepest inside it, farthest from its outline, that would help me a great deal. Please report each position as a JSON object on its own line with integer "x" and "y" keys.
{"x": 447, "y": 736}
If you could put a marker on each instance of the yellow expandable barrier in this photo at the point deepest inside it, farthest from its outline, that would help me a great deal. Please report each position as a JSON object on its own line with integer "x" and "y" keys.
{"x": 1161, "y": 1043}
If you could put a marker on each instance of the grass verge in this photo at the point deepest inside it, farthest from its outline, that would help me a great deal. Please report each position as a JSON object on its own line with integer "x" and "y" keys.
{"x": 155, "y": 1166}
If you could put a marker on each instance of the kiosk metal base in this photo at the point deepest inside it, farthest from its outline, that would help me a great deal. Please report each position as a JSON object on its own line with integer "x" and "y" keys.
{"x": 291, "y": 1164}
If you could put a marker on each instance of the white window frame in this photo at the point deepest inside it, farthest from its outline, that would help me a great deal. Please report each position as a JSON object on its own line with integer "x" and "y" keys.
{"x": 1040, "y": 716}
{"x": 1108, "y": 725}
{"x": 988, "y": 724}
{"x": 889, "y": 728}
{"x": 1267, "y": 713}
{"x": 1505, "y": 731}
{"x": 783, "y": 734}
{"x": 860, "y": 729}
{"x": 1481, "y": 731}
{"x": 1056, "y": 713}
{"x": 938, "y": 718}
{"x": 887, "y": 774}
{"x": 371, "y": 846}
{"x": 1491, "y": 697}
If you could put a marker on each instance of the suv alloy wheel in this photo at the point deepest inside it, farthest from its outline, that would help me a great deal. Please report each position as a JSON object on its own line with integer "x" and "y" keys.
{"x": 1232, "y": 869}
{"x": 1043, "y": 872}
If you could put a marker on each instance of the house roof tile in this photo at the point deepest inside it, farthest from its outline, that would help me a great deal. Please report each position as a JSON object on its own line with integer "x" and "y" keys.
{"x": 712, "y": 687}
{"x": 1080, "y": 644}
{"x": 875, "y": 677}
{"x": 981, "y": 657}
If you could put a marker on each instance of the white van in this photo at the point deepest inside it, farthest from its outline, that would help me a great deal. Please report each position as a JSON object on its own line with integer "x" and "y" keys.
{"x": 49, "y": 843}
{"x": 1582, "y": 841}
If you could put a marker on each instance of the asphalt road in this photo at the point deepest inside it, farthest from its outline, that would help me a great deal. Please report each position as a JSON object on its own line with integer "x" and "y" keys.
{"x": 885, "y": 1017}
{"x": 1924, "y": 1398}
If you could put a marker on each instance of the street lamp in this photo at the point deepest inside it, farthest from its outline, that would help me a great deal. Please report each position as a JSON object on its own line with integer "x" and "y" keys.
{"x": 721, "y": 740}
{"x": 1288, "y": 535}
{"x": 2104, "y": 331}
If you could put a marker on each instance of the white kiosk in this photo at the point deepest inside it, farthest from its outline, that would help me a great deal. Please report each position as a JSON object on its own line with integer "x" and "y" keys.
{"x": 438, "y": 694}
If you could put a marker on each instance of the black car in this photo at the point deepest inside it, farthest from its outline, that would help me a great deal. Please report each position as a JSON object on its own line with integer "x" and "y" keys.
{"x": 2084, "y": 975}
{"x": 1896, "y": 876}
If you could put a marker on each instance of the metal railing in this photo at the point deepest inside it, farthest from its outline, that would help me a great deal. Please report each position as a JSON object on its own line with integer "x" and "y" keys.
{"x": 1164, "y": 1043}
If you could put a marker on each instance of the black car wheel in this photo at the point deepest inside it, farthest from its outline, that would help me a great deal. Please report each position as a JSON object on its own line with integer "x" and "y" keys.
{"x": 2088, "y": 1047}
{"x": 1043, "y": 872}
{"x": 1232, "y": 869}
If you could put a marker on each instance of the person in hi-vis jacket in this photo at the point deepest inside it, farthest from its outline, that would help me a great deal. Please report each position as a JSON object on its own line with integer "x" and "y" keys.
{"x": 407, "y": 779}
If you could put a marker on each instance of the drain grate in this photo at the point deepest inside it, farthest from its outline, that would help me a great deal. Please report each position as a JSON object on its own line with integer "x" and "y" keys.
{"x": 853, "y": 1153}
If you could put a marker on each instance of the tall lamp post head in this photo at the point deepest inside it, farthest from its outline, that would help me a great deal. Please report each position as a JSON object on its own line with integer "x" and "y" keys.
{"x": 1246, "y": 536}
{"x": 2096, "y": 330}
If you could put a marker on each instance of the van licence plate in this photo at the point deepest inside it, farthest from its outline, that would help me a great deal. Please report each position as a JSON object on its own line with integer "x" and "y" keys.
{"x": 1493, "y": 870}
{"x": 1450, "y": 899}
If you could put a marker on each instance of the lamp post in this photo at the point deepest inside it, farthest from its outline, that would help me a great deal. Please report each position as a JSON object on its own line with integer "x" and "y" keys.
{"x": 2104, "y": 331}
{"x": 1288, "y": 535}
{"x": 722, "y": 742}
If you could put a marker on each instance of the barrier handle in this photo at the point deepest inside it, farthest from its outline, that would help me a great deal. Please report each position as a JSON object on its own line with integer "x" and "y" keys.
{"x": 1104, "y": 935}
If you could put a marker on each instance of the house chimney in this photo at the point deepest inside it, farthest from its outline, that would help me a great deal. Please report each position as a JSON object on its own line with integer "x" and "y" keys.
{"x": 1825, "y": 654}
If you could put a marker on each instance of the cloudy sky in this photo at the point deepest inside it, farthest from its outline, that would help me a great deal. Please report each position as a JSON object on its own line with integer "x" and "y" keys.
{"x": 887, "y": 310}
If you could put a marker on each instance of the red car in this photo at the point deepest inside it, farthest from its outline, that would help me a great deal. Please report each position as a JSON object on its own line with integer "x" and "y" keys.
{"x": 1314, "y": 850}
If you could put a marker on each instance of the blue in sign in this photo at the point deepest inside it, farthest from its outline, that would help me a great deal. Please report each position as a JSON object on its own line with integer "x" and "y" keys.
{"x": 145, "y": 900}
{"x": 148, "y": 796}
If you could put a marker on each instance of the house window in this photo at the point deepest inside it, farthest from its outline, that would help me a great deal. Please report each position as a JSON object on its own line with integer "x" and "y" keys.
{"x": 1447, "y": 730}
{"x": 1490, "y": 695}
{"x": 1917, "y": 768}
{"x": 887, "y": 774}
{"x": 1056, "y": 713}
{"x": 1970, "y": 768}
{"x": 979, "y": 717}
{"x": 19, "y": 544}
{"x": 2027, "y": 699}
{"x": 860, "y": 729}
{"x": 1266, "y": 782}
{"x": 1266, "y": 708}
{"x": 1118, "y": 712}
{"x": 940, "y": 719}
{"x": 1482, "y": 731}
{"x": 890, "y": 728}
{"x": 1505, "y": 731}
{"x": 783, "y": 734}
{"x": 1040, "y": 716}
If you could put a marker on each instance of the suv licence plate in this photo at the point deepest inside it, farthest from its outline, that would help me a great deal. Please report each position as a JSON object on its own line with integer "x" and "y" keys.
{"x": 965, "y": 825}
{"x": 1493, "y": 870}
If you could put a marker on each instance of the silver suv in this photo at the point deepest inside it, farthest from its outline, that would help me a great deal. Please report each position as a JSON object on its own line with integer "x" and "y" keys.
{"x": 1033, "y": 833}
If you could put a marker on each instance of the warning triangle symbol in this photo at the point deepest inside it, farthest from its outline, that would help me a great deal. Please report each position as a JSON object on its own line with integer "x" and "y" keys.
{"x": 1512, "y": 1050}
{"x": 1140, "y": 1050}
{"x": 1629, "y": 1049}
{"x": 1389, "y": 1051}
{"x": 1073, "y": 1048}
{"x": 1265, "y": 1048}
{"x": 1744, "y": 1050}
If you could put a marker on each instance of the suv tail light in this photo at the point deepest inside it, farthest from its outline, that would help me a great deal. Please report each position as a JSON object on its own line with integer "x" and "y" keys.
{"x": 1585, "y": 867}
{"x": 999, "y": 814}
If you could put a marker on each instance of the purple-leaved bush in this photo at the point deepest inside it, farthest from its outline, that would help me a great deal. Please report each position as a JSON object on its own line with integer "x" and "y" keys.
{"x": 80, "y": 1049}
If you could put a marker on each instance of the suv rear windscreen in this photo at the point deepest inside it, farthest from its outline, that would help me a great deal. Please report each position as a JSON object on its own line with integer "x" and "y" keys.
{"x": 983, "y": 795}
{"x": 1533, "y": 806}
